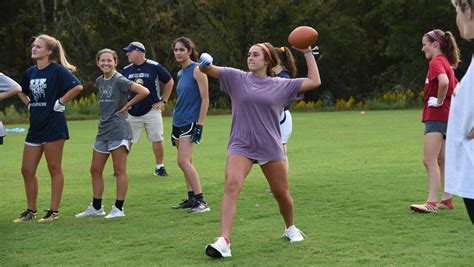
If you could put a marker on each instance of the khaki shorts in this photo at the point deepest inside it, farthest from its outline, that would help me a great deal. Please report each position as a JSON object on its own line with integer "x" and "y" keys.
{"x": 152, "y": 122}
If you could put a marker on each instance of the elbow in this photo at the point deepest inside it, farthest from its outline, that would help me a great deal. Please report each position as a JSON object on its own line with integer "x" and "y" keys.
{"x": 315, "y": 84}
{"x": 18, "y": 89}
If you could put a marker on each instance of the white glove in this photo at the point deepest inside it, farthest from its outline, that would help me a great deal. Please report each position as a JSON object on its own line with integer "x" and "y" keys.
{"x": 205, "y": 60}
{"x": 58, "y": 106}
{"x": 433, "y": 102}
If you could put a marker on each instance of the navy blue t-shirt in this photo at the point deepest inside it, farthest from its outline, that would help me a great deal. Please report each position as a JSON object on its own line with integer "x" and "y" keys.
{"x": 44, "y": 87}
{"x": 188, "y": 105}
{"x": 148, "y": 74}
{"x": 285, "y": 74}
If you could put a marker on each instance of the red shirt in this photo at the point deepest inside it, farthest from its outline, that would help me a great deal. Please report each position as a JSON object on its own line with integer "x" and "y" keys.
{"x": 438, "y": 66}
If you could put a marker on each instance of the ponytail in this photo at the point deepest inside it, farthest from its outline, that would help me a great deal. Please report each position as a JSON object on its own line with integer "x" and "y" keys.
{"x": 58, "y": 54}
{"x": 287, "y": 60}
{"x": 447, "y": 45}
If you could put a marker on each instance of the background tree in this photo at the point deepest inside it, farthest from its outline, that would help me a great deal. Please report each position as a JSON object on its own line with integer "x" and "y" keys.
{"x": 369, "y": 47}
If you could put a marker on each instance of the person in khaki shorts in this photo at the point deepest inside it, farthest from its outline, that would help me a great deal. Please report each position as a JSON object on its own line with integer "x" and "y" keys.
{"x": 147, "y": 113}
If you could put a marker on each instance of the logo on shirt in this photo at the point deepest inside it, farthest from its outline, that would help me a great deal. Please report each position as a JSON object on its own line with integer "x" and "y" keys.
{"x": 138, "y": 75}
{"x": 38, "y": 88}
{"x": 105, "y": 93}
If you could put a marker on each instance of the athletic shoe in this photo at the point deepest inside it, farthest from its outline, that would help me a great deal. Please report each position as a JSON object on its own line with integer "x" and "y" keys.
{"x": 49, "y": 216}
{"x": 200, "y": 206}
{"x": 447, "y": 204}
{"x": 115, "y": 212}
{"x": 160, "y": 172}
{"x": 293, "y": 234}
{"x": 218, "y": 249}
{"x": 186, "y": 204}
{"x": 27, "y": 215}
{"x": 91, "y": 211}
{"x": 427, "y": 207}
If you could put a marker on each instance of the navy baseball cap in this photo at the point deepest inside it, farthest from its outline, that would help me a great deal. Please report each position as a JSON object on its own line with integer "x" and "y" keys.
{"x": 134, "y": 46}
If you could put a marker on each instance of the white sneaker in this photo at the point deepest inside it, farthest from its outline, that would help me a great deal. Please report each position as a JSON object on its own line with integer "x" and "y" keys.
{"x": 218, "y": 249}
{"x": 91, "y": 211}
{"x": 114, "y": 213}
{"x": 293, "y": 234}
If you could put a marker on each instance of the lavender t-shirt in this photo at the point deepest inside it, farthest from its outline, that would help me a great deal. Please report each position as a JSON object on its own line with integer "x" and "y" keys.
{"x": 256, "y": 107}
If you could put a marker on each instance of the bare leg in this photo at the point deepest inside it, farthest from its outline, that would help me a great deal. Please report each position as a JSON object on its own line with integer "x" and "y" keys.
{"x": 277, "y": 177}
{"x": 433, "y": 142}
{"x": 53, "y": 152}
{"x": 31, "y": 158}
{"x": 185, "y": 154}
{"x": 159, "y": 151}
{"x": 119, "y": 157}
{"x": 441, "y": 170}
{"x": 97, "y": 169}
{"x": 237, "y": 168}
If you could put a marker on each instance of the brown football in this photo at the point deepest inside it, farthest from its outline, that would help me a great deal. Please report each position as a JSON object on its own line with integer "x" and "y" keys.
{"x": 303, "y": 37}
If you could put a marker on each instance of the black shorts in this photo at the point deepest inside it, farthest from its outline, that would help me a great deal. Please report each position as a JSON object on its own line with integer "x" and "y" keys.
{"x": 182, "y": 131}
{"x": 436, "y": 127}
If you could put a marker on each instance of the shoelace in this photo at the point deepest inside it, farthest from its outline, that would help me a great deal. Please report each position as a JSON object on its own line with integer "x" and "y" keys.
{"x": 292, "y": 233}
{"x": 49, "y": 213}
{"x": 23, "y": 214}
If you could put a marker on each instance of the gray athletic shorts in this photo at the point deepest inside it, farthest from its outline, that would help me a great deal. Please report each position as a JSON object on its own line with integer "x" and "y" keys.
{"x": 105, "y": 147}
{"x": 436, "y": 127}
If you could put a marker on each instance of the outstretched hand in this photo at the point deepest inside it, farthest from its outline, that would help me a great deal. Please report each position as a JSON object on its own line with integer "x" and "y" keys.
{"x": 205, "y": 61}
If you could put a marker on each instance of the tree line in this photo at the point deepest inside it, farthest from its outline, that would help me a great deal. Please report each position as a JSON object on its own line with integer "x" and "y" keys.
{"x": 368, "y": 46}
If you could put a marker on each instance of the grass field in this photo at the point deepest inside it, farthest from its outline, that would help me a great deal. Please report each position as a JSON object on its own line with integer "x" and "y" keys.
{"x": 352, "y": 179}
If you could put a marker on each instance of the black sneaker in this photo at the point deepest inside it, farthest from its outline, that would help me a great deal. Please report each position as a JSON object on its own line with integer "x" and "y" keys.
{"x": 200, "y": 206}
{"x": 27, "y": 215}
{"x": 160, "y": 172}
{"x": 49, "y": 216}
{"x": 186, "y": 204}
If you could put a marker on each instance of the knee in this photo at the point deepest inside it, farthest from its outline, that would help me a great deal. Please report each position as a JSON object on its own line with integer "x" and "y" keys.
{"x": 27, "y": 172}
{"x": 233, "y": 185}
{"x": 282, "y": 194}
{"x": 94, "y": 170}
{"x": 428, "y": 162}
{"x": 54, "y": 168}
{"x": 183, "y": 163}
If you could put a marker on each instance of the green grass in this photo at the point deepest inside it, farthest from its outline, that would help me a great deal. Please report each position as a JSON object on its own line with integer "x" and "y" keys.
{"x": 352, "y": 178}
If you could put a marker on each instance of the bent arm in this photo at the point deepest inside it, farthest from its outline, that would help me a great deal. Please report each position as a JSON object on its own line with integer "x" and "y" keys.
{"x": 212, "y": 71}
{"x": 24, "y": 98}
{"x": 443, "y": 84}
{"x": 71, "y": 94}
{"x": 203, "y": 85}
{"x": 167, "y": 90}
{"x": 11, "y": 92}
{"x": 140, "y": 91}
{"x": 313, "y": 81}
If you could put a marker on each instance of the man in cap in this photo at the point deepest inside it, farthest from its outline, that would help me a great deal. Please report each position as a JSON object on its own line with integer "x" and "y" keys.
{"x": 147, "y": 113}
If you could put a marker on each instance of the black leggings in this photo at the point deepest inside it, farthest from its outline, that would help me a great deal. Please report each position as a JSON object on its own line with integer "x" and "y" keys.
{"x": 469, "y": 202}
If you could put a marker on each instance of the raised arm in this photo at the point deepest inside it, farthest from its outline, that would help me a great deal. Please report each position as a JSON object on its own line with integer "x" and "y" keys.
{"x": 313, "y": 81}
{"x": 205, "y": 66}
